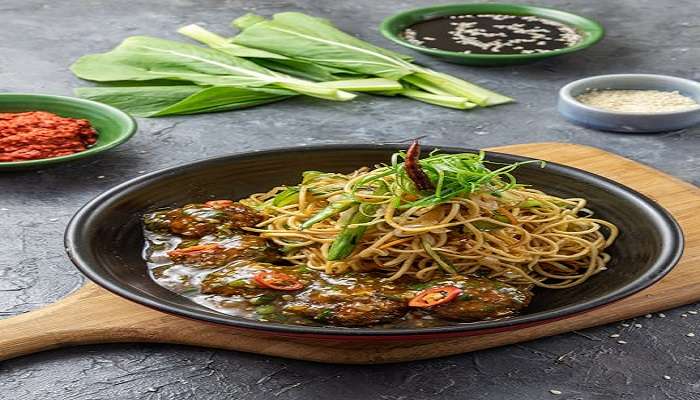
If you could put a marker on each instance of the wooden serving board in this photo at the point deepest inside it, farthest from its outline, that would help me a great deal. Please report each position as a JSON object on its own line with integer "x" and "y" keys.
{"x": 93, "y": 315}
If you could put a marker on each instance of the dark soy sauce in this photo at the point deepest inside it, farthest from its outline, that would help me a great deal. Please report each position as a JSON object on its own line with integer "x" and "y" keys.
{"x": 492, "y": 34}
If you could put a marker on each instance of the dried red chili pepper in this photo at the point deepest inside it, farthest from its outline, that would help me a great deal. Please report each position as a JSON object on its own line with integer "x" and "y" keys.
{"x": 414, "y": 170}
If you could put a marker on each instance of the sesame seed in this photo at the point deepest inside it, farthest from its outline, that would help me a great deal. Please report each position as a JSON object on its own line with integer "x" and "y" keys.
{"x": 667, "y": 377}
{"x": 614, "y": 335}
{"x": 626, "y": 325}
{"x": 637, "y": 325}
{"x": 647, "y": 316}
{"x": 691, "y": 334}
{"x": 621, "y": 342}
{"x": 662, "y": 315}
{"x": 101, "y": 177}
{"x": 684, "y": 315}
{"x": 554, "y": 391}
{"x": 53, "y": 219}
{"x": 693, "y": 312}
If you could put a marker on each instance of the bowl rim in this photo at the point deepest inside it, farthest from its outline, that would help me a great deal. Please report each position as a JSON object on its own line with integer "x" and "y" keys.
{"x": 127, "y": 132}
{"x": 595, "y": 34}
{"x": 566, "y": 96}
{"x": 669, "y": 257}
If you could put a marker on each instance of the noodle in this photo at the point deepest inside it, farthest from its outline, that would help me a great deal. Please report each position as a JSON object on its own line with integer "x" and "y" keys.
{"x": 499, "y": 229}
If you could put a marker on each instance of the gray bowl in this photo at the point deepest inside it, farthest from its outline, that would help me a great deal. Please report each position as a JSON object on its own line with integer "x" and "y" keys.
{"x": 632, "y": 122}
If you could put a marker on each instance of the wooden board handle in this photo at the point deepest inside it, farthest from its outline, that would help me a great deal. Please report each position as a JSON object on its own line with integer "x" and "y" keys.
{"x": 77, "y": 319}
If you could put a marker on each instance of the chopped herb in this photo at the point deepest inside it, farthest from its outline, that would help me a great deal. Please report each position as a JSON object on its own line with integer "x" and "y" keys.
{"x": 303, "y": 269}
{"x": 238, "y": 283}
{"x": 189, "y": 290}
{"x": 265, "y": 309}
{"x": 530, "y": 203}
{"x": 188, "y": 243}
{"x": 324, "y": 315}
{"x": 288, "y": 196}
{"x": 263, "y": 299}
{"x": 421, "y": 286}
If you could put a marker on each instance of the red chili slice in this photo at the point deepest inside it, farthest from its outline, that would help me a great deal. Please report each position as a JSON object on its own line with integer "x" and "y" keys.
{"x": 218, "y": 204}
{"x": 277, "y": 280}
{"x": 435, "y": 296}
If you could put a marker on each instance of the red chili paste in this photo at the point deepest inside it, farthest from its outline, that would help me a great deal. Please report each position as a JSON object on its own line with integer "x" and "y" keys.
{"x": 40, "y": 134}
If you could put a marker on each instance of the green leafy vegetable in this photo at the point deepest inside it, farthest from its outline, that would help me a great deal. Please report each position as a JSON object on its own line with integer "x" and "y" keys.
{"x": 273, "y": 61}
{"x": 269, "y": 61}
{"x": 291, "y": 66}
{"x": 307, "y": 38}
{"x": 143, "y": 58}
{"x": 446, "y": 100}
{"x": 157, "y": 101}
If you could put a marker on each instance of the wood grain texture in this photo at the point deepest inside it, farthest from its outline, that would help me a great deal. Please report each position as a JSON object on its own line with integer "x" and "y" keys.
{"x": 93, "y": 315}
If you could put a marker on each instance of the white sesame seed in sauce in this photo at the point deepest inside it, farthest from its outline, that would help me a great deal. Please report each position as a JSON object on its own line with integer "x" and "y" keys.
{"x": 621, "y": 342}
{"x": 667, "y": 377}
{"x": 555, "y": 392}
{"x": 692, "y": 312}
{"x": 615, "y": 335}
{"x": 492, "y": 33}
{"x": 691, "y": 334}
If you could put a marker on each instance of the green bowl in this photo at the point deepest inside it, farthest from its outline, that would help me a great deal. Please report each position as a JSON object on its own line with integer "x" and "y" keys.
{"x": 391, "y": 27}
{"x": 113, "y": 126}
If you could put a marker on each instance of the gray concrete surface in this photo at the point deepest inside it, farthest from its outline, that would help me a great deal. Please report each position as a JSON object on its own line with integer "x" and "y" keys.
{"x": 40, "y": 38}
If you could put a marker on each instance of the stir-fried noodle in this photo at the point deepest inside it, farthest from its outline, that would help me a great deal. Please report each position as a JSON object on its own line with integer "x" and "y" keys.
{"x": 474, "y": 220}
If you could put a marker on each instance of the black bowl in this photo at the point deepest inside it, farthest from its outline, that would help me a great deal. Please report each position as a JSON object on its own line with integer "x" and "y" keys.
{"x": 104, "y": 239}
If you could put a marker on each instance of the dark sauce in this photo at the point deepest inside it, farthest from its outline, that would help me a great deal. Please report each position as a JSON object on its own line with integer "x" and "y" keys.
{"x": 199, "y": 252}
{"x": 492, "y": 34}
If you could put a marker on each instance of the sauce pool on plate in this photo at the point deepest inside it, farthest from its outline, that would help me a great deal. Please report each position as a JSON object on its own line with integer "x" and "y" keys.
{"x": 492, "y": 34}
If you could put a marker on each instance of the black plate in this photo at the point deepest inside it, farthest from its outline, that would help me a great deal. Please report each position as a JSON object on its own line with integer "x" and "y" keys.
{"x": 104, "y": 239}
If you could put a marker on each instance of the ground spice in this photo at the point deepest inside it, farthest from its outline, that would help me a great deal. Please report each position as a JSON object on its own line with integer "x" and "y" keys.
{"x": 642, "y": 101}
{"x": 39, "y": 134}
